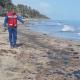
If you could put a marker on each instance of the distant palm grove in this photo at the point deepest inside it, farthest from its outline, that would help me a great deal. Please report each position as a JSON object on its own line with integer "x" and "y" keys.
{"x": 23, "y": 10}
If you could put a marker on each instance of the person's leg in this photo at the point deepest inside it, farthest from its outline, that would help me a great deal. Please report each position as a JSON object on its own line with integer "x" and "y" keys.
{"x": 14, "y": 36}
{"x": 10, "y": 36}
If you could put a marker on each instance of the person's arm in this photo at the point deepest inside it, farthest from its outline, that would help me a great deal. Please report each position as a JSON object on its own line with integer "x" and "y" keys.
{"x": 5, "y": 21}
{"x": 19, "y": 18}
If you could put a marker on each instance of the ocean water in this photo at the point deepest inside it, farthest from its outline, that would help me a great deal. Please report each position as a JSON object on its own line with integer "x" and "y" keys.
{"x": 64, "y": 29}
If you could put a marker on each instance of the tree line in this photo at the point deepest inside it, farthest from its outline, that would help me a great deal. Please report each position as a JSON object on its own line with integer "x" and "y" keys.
{"x": 23, "y": 10}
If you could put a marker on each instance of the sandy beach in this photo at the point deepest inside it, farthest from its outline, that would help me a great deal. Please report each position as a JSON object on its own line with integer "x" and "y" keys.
{"x": 38, "y": 57}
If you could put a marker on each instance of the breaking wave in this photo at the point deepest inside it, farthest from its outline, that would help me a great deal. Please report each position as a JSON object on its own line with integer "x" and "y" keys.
{"x": 68, "y": 28}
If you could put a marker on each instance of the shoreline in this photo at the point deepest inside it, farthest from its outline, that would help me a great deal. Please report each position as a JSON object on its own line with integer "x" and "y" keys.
{"x": 39, "y": 57}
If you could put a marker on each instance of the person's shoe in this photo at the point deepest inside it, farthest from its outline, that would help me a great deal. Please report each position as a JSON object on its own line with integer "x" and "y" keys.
{"x": 12, "y": 47}
{"x": 15, "y": 46}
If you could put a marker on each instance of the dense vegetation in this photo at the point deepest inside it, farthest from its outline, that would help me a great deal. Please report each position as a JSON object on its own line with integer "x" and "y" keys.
{"x": 24, "y": 10}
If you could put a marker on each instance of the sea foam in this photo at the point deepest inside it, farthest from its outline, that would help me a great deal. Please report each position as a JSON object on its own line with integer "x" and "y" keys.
{"x": 67, "y": 28}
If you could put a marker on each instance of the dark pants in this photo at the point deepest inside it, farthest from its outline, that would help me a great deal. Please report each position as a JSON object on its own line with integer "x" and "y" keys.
{"x": 12, "y": 35}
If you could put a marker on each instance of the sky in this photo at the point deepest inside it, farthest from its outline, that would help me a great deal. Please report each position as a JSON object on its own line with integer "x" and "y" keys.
{"x": 55, "y": 9}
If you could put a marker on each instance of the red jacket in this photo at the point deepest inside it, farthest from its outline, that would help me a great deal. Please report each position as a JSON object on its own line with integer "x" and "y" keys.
{"x": 12, "y": 19}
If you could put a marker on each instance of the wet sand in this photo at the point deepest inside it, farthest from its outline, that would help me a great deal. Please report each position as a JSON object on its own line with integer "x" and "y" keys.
{"x": 38, "y": 57}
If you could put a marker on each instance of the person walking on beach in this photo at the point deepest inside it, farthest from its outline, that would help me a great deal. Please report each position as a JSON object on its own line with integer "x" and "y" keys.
{"x": 11, "y": 19}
